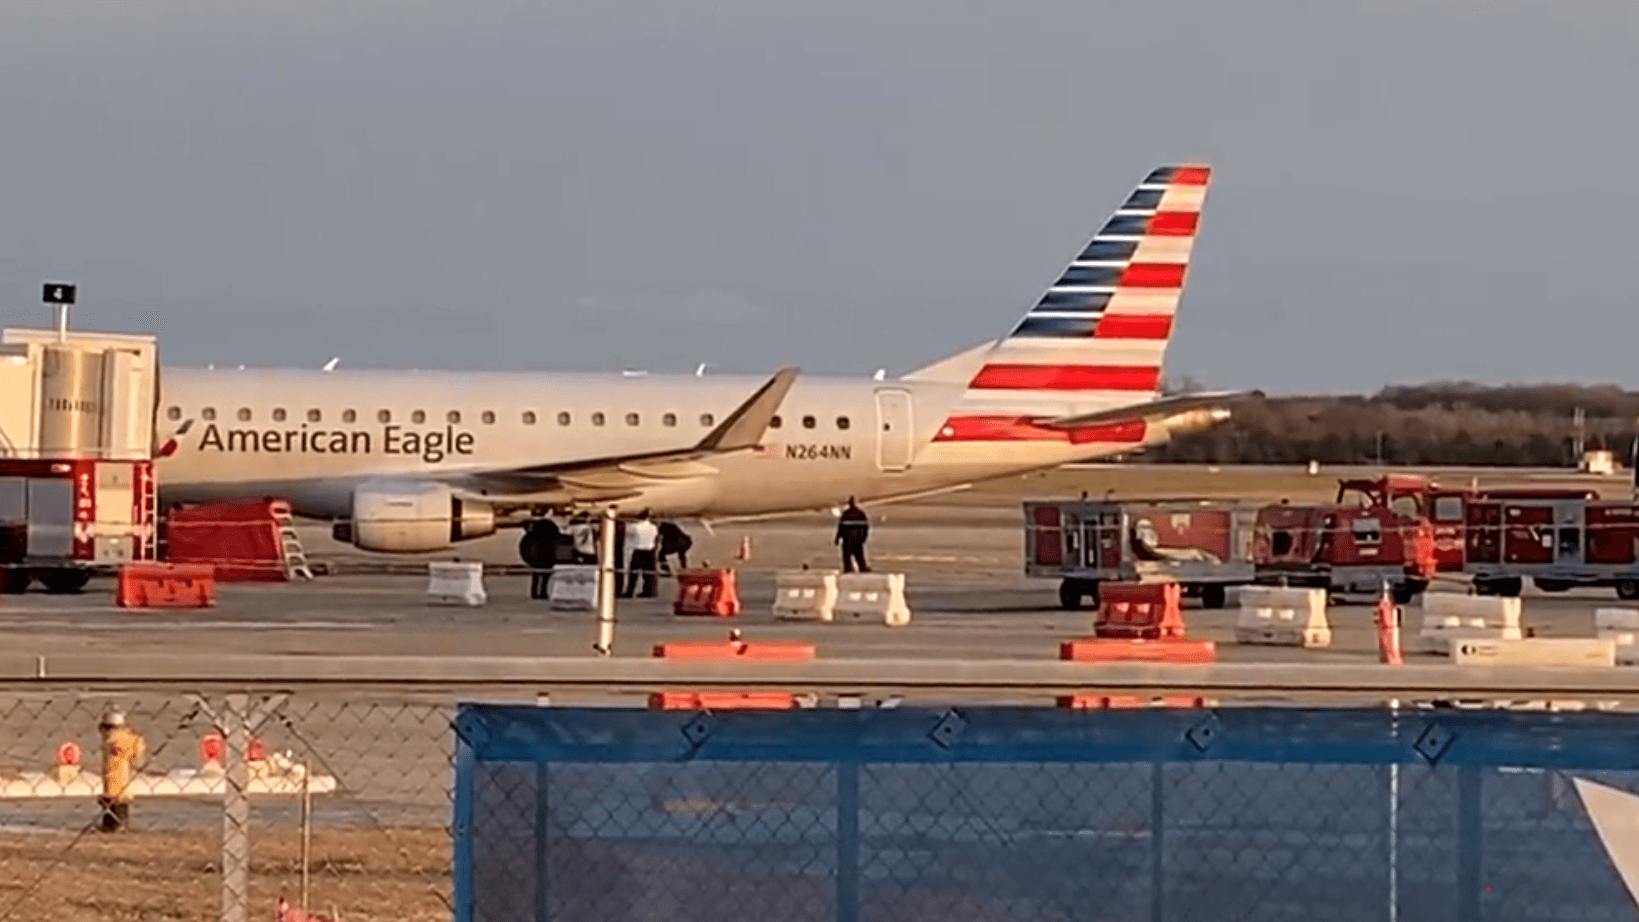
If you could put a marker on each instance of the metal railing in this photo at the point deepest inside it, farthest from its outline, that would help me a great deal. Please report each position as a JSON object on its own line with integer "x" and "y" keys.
{"x": 1008, "y": 814}
{"x": 328, "y": 781}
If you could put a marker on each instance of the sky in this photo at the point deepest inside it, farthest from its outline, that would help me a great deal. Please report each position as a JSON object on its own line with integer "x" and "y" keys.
{"x": 1404, "y": 190}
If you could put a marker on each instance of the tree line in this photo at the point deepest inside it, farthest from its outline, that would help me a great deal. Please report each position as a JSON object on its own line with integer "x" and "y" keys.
{"x": 1447, "y": 422}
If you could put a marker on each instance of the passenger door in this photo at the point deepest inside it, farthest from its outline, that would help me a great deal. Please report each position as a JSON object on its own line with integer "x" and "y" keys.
{"x": 893, "y": 430}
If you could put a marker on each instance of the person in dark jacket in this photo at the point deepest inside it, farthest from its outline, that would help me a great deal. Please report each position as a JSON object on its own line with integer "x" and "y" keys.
{"x": 853, "y": 529}
{"x": 674, "y": 540}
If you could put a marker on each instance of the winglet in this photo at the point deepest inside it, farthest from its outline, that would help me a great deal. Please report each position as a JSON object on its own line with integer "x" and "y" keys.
{"x": 744, "y": 428}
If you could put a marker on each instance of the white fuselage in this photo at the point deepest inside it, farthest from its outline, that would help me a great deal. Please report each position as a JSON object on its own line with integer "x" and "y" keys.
{"x": 312, "y": 437}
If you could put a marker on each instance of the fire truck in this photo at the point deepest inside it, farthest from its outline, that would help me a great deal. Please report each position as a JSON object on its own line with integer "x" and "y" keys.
{"x": 77, "y": 491}
{"x": 1375, "y": 532}
{"x": 1204, "y": 546}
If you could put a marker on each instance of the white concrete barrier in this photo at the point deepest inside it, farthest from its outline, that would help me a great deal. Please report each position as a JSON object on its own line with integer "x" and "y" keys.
{"x": 1449, "y": 616}
{"x": 455, "y": 584}
{"x": 873, "y": 597}
{"x": 1620, "y": 626}
{"x": 1537, "y": 651}
{"x": 1290, "y": 617}
{"x": 805, "y": 595}
{"x": 573, "y": 587}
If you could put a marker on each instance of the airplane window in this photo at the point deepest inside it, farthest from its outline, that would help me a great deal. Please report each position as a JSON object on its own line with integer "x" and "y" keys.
{"x": 174, "y": 413}
{"x": 808, "y": 422}
{"x": 244, "y": 414}
{"x": 385, "y": 416}
{"x": 529, "y": 417}
{"x": 631, "y": 419}
{"x": 209, "y": 413}
{"x": 349, "y": 416}
{"x": 489, "y": 418}
{"x": 453, "y": 416}
{"x": 563, "y": 419}
{"x": 843, "y": 422}
{"x": 597, "y": 419}
{"x": 776, "y": 423}
{"x": 670, "y": 419}
{"x": 419, "y": 416}
{"x": 279, "y": 414}
{"x": 706, "y": 419}
{"x": 314, "y": 416}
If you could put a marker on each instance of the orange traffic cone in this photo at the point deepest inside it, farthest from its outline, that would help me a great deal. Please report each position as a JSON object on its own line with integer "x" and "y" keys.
{"x": 1387, "y": 618}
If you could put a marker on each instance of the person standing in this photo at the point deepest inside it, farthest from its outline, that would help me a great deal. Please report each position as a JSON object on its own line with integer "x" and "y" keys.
{"x": 853, "y": 529}
{"x": 642, "y": 540}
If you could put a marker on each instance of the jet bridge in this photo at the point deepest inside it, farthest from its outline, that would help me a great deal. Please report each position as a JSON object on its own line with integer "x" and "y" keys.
{"x": 77, "y": 492}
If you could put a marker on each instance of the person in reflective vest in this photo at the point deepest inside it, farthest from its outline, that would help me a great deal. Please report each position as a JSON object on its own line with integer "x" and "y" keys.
{"x": 853, "y": 529}
{"x": 123, "y": 752}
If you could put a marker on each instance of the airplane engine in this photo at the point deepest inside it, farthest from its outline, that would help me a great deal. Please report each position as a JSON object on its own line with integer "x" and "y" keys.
{"x": 405, "y": 518}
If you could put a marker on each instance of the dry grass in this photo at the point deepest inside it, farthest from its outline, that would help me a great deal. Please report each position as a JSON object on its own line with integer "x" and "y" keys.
{"x": 363, "y": 875}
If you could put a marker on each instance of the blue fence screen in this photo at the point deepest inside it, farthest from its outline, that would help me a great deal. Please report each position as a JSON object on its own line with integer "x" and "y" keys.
{"x": 1015, "y": 814}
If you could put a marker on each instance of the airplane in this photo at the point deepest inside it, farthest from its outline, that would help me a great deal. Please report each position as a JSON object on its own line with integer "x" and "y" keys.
{"x": 410, "y": 462}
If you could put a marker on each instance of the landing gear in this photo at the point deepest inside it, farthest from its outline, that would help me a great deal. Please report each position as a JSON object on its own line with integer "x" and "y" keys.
{"x": 64, "y": 580}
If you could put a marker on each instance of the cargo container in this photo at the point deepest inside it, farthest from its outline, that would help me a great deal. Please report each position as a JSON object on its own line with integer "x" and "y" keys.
{"x": 1205, "y": 546}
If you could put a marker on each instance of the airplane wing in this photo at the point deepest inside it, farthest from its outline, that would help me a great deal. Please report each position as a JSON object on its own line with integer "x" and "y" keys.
{"x": 1155, "y": 410}
{"x": 613, "y": 477}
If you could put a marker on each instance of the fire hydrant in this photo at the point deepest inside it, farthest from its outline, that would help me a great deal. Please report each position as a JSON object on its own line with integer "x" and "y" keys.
{"x": 123, "y": 752}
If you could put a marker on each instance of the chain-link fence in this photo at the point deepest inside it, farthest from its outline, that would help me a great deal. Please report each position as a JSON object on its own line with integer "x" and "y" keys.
{"x": 1036, "y": 814}
{"x": 223, "y": 805}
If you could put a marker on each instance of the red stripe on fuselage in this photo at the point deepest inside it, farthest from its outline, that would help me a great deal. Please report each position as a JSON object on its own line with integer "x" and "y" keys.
{"x": 1028, "y": 429}
{"x": 1067, "y": 378}
{"x": 1134, "y": 326}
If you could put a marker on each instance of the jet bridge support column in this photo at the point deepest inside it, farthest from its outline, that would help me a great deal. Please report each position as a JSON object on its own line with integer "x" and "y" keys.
{"x": 606, "y": 583}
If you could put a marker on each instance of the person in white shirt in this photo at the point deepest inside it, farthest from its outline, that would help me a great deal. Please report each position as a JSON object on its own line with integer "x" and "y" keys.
{"x": 642, "y": 540}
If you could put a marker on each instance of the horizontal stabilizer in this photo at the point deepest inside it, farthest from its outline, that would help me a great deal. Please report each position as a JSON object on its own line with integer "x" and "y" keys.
{"x": 1166, "y": 406}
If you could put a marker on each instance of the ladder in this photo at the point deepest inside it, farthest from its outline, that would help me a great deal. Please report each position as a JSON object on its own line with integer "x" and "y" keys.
{"x": 290, "y": 545}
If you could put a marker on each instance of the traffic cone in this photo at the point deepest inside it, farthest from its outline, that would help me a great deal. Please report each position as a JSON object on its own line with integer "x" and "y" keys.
{"x": 1387, "y": 618}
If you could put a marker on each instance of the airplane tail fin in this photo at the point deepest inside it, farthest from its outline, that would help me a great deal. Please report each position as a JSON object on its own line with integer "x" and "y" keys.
{"x": 1099, "y": 334}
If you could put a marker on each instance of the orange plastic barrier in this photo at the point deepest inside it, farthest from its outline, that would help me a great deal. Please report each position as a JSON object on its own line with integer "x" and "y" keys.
{"x": 707, "y": 592}
{"x": 1113, "y": 702}
{"x": 731, "y": 649}
{"x": 1136, "y": 650}
{"x": 1148, "y": 610}
{"x": 148, "y": 584}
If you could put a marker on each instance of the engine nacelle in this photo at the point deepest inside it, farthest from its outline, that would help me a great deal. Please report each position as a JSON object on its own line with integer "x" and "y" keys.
{"x": 405, "y": 518}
